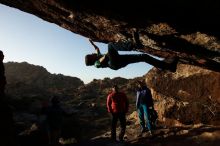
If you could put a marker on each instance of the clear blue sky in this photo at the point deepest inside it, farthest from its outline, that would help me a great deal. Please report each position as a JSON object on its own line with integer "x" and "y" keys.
{"x": 25, "y": 37}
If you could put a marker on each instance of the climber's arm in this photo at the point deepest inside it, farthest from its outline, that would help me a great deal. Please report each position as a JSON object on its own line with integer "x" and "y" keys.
{"x": 96, "y": 48}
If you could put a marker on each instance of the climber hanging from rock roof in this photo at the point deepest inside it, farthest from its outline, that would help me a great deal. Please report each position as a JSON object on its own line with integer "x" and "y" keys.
{"x": 115, "y": 61}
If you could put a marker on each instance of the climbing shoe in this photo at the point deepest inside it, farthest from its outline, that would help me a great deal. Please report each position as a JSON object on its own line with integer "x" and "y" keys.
{"x": 137, "y": 44}
{"x": 172, "y": 64}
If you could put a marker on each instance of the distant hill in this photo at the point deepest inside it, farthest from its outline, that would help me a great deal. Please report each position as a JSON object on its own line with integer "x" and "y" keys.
{"x": 25, "y": 80}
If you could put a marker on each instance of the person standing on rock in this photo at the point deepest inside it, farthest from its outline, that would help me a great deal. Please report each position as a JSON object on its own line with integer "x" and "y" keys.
{"x": 117, "y": 105}
{"x": 116, "y": 61}
{"x": 54, "y": 116}
{"x": 2, "y": 76}
{"x": 6, "y": 123}
{"x": 144, "y": 104}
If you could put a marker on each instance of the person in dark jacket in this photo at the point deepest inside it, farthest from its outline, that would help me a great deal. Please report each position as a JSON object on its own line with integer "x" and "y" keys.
{"x": 116, "y": 61}
{"x": 2, "y": 76}
{"x": 54, "y": 116}
{"x": 144, "y": 104}
{"x": 117, "y": 105}
{"x": 7, "y": 127}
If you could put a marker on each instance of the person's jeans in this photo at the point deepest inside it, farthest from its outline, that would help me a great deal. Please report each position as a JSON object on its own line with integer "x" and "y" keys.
{"x": 122, "y": 119}
{"x": 143, "y": 111}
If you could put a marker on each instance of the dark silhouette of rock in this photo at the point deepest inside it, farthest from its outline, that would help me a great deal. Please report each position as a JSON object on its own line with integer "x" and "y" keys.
{"x": 26, "y": 80}
{"x": 2, "y": 76}
{"x": 6, "y": 122}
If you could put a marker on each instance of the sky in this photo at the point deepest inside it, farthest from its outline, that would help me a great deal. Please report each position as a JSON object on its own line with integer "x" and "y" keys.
{"x": 27, "y": 38}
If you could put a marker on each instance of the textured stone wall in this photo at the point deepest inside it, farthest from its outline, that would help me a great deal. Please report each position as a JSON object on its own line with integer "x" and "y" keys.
{"x": 191, "y": 95}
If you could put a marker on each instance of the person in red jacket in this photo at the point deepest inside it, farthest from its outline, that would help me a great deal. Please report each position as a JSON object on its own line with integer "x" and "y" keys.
{"x": 117, "y": 105}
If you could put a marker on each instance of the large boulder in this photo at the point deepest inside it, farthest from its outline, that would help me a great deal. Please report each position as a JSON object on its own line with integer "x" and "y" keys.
{"x": 191, "y": 95}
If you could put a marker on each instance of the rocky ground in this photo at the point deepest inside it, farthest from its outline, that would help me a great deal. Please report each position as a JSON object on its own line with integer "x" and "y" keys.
{"x": 165, "y": 134}
{"x": 196, "y": 134}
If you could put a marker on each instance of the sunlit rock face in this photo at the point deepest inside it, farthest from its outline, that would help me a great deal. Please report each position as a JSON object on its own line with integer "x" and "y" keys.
{"x": 189, "y": 96}
{"x": 189, "y": 29}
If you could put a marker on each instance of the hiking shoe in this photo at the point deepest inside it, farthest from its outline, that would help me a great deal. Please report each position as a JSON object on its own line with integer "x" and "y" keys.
{"x": 113, "y": 139}
{"x": 121, "y": 140}
{"x": 150, "y": 133}
{"x": 144, "y": 130}
{"x": 140, "y": 134}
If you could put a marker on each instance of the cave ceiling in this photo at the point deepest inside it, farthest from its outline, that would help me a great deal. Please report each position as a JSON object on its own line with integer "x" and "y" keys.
{"x": 186, "y": 28}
